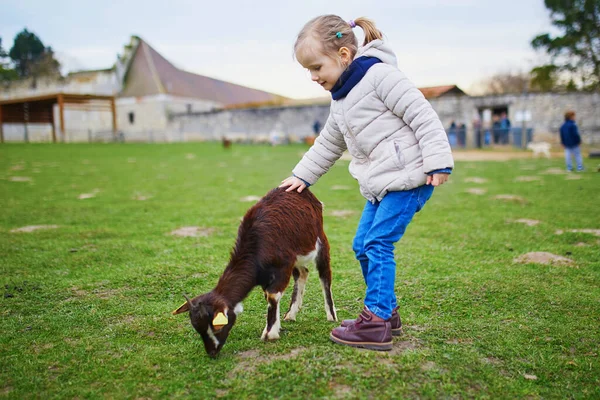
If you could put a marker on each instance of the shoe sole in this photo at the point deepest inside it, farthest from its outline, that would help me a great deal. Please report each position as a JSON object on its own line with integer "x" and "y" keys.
{"x": 395, "y": 331}
{"x": 387, "y": 346}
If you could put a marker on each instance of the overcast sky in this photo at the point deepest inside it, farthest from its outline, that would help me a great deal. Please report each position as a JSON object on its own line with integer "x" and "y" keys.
{"x": 437, "y": 42}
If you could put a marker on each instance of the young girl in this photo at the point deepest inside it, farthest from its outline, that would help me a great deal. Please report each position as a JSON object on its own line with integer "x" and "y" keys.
{"x": 399, "y": 153}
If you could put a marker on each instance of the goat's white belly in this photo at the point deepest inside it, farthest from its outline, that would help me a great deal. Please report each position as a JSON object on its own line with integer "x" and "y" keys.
{"x": 304, "y": 260}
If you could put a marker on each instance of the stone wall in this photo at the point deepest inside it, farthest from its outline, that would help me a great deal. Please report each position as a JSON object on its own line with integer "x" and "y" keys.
{"x": 543, "y": 112}
{"x": 250, "y": 123}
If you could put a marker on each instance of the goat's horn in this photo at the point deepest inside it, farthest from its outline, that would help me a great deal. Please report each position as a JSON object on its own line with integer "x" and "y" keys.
{"x": 188, "y": 301}
{"x": 187, "y": 306}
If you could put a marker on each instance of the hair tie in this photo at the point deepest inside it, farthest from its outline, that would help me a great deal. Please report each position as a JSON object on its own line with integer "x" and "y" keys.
{"x": 339, "y": 35}
{"x": 352, "y": 23}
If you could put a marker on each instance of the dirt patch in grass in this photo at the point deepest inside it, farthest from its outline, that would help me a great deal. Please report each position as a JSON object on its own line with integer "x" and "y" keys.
{"x": 20, "y": 179}
{"x": 192, "y": 231}
{"x": 459, "y": 341}
{"x": 476, "y": 179}
{"x": 477, "y": 191}
{"x": 71, "y": 342}
{"x": 249, "y": 354}
{"x": 250, "y": 198}
{"x": 248, "y": 360}
{"x": 429, "y": 366}
{"x": 101, "y": 293}
{"x": 542, "y": 257}
{"x": 528, "y": 222}
{"x": 554, "y": 171}
{"x": 416, "y": 328}
{"x": 511, "y": 197}
{"x": 340, "y": 391}
{"x": 32, "y": 228}
{"x": 491, "y": 360}
{"x": 590, "y": 231}
{"x": 141, "y": 197}
{"x": 341, "y": 213}
{"x": 402, "y": 346}
{"x": 84, "y": 196}
{"x": 340, "y": 187}
{"x": 527, "y": 178}
{"x": 573, "y": 177}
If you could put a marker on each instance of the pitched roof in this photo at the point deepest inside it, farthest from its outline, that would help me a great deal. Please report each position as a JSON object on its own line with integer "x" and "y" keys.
{"x": 150, "y": 73}
{"x": 438, "y": 91}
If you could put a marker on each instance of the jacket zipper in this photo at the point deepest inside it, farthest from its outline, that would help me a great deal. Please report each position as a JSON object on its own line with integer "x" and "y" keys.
{"x": 373, "y": 197}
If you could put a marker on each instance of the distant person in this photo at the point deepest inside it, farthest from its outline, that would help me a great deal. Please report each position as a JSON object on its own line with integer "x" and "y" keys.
{"x": 570, "y": 139}
{"x": 496, "y": 129}
{"x": 317, "y": 127}
{"x": 505, "y": 127}
{"x": 461, "y": 133}
{"x": 481, "y": 134}
{"x": 452, "y": 137}
{"x": 399, "y": 150}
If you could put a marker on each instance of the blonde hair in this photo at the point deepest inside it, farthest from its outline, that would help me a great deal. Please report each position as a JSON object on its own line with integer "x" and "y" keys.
{"x": 334, "y": 33}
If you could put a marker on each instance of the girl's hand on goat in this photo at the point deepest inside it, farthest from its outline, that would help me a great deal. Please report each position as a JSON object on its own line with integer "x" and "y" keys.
{"x": 437, "y": 179}
{"x": 293, "y": 183}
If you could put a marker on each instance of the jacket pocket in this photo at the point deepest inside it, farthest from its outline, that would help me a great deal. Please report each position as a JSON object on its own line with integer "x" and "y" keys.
{"x": 397, "y": 155}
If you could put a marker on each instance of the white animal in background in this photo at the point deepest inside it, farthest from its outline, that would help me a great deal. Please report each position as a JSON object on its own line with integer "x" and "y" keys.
{"x": 539, "y": 148}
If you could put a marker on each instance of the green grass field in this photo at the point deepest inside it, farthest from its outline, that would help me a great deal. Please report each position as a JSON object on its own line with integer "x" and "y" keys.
{"x": 86, "y": 306}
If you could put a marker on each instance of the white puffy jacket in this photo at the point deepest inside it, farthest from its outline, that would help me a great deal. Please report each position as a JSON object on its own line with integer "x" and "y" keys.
{"x": 393, "y": 134}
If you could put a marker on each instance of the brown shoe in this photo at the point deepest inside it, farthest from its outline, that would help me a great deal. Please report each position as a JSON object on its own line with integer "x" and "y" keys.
{"x": 395, "y": 322}
{"x": 365, "y": 333}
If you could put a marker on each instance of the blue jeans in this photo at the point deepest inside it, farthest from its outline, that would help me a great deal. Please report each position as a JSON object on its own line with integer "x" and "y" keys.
{"x": 381, "y": 225}
{"x": 573, "y": 152}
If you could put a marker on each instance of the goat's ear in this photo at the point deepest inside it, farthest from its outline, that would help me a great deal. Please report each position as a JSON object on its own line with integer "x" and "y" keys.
{"x": 182, "y": 308}
{"x": 185, "y": 307}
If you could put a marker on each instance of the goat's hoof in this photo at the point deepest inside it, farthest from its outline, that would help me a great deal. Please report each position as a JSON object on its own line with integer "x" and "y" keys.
{"x": 288, "y": 317}
{"x": 267, "y": 338}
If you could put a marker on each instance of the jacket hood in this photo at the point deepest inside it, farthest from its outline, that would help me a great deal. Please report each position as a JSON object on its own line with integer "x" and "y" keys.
{"x": 377, "y": 48}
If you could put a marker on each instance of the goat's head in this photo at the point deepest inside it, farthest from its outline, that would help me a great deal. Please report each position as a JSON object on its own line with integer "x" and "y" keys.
{"x": 213, "y": 321}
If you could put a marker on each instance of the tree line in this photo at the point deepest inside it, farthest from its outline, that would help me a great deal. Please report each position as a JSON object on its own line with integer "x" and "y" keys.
{"x": 27, "y": 58}
{"x": 573, "y": 55}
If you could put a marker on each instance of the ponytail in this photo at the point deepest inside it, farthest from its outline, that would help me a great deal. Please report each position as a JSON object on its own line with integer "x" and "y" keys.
{"x": 369, "y": 28}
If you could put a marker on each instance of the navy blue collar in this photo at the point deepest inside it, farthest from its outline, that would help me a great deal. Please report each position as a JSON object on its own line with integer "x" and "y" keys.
{"x": 352, "y": 75}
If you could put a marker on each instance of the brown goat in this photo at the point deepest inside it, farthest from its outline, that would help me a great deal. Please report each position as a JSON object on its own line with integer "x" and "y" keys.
{"x": 277, "y": 238}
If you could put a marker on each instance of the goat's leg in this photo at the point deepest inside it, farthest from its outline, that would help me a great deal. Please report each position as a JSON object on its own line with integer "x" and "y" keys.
{"x": 324, "y": 268}
{"x": 271, "y": 331}
{"x": 300, "y": 275}
{"x": 273, "y": 294}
